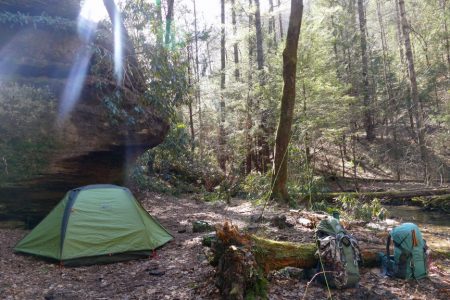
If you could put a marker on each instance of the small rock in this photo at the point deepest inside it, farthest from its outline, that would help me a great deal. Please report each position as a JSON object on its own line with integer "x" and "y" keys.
{"x": 201, "y": 226}
{"x": 305, "y": 222}
{"x": 256, "y": 218}
{"x": 291, "y": 272}
{"x": 209, "y": 239}
{"x": 61, "y": 295}
{"x": 282, "y": 238}
{"x": 157, "y": 272}
{"x": 280, "y": 222}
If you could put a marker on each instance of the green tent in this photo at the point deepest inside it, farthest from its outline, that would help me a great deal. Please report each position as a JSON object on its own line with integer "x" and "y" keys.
{"x": 95, "y": 224}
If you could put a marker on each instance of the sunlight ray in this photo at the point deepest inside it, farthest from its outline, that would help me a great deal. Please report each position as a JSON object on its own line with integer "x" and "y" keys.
{"x": 118, "y": 47}
{"x": 87, "y": 26}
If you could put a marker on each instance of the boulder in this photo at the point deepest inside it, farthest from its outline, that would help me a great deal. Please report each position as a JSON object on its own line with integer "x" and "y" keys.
{"x": 41, "y": 154}
{"x": 56, "y": 8}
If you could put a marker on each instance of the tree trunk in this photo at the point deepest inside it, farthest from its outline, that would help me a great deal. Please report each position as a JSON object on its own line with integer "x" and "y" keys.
{"x": 251, "y": 49}
{"x": 221, "y": 153}
{"x": 280, "y": 19}
{"x": 159, "y": 23}
{"x": 392, "y": 107}
{"x": 259, "y": 41}
{"x": 272, "y": 27}
{"x": 235, "y": 45}
{"x": 446, "y": 34}
{"x": 261, "y": 157}
{"x": 355, "y": 166}
{"x": 191, "y": 118}
{"x": 350, "y": 40}
{"x": 197, "y": 87}
{"x": 368, "y": 111}
{"x": 429, "y": 67}
{"x": 283, "y": 136}
{"x": 169, "y": 18}
{"x": 335, "y": 48}
{"x": 401, "y": 44}
{"x": 413, "y": 89}
{"x": 305, "y": 115}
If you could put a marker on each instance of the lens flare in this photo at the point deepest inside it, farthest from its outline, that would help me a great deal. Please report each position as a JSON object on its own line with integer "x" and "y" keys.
{"x": 118, "y": 48}
{"x": 87, "y": 26}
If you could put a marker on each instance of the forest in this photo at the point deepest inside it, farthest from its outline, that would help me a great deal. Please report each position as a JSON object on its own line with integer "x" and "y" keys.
{"x": 249, "y": 136}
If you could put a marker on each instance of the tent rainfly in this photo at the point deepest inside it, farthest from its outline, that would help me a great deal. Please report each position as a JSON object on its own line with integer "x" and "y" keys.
{"x": 95, "y": 224}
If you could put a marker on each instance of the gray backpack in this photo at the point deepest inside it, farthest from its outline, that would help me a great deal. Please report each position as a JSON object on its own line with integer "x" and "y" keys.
{"x": 338, "y": 254}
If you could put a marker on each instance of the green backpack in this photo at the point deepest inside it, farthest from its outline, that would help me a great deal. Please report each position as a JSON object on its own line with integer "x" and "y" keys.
{"x": 338, "y": 253}
{"x": 410, "y": 253}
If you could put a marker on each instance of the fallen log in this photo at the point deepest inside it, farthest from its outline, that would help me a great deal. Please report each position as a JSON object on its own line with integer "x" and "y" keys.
{"x": 441, "y": 202}
{"x": 243, "y": 261}
{"x": 389, "y": 196}
{"x": 274, "y": 255}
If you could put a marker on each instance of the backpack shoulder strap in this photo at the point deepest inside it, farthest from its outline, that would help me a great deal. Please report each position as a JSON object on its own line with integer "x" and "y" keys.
{"x": 388, "y": 245}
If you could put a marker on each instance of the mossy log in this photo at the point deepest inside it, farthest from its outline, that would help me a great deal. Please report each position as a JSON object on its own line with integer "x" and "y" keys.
{"x": 397, "y": 197}
{"x": 441, "y": 202}
{"x": 243, "y": 261}
{"x": 273, "y": 255}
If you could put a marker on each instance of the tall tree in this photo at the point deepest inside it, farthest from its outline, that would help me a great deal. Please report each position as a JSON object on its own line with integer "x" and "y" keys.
{"x": 259, "y": 41}
{"x": 235, "y": 44}
{"x": 392, "y": 109}
{"x": 413, "y": 87}
{"x": 446, "y": 33}
{"x": 272, "y": 27}
{"x": 197, "y": 87}
{"x": 283, "y": 136}
{"x": 251, "y": 49}
{"x": 191, "y": 117}
{"x": 386, "y": 67}
{"x": 221, "y": 153}
{"x": 280, "y": 19}
{"x": 401, "y": 45}
{"x": 368, "y": 111}
{"x": 262, "y": 156}
{"x": 169, "y": 18}
{"x": 159, "y": 23}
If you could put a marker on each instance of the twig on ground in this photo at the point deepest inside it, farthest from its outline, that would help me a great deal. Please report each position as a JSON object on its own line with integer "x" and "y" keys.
{"x": 312, "y": 279}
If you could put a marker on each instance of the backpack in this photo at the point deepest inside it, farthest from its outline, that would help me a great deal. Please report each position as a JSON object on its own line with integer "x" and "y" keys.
{"x": 338, "y": 254}
{"x": 410, "y": 253}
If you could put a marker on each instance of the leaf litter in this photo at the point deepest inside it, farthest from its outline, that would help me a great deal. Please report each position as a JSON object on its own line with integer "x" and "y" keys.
{"x": 180, "y": 269}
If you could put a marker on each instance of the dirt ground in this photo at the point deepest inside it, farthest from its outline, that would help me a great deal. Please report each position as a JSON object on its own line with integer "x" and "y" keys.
{"x": 180, "y": 269}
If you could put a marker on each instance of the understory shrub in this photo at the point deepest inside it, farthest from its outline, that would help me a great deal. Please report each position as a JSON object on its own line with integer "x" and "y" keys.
{"x": 256, "y": 186}
{"x": 353, "y": 208}
{"x": 172, "y": 167}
